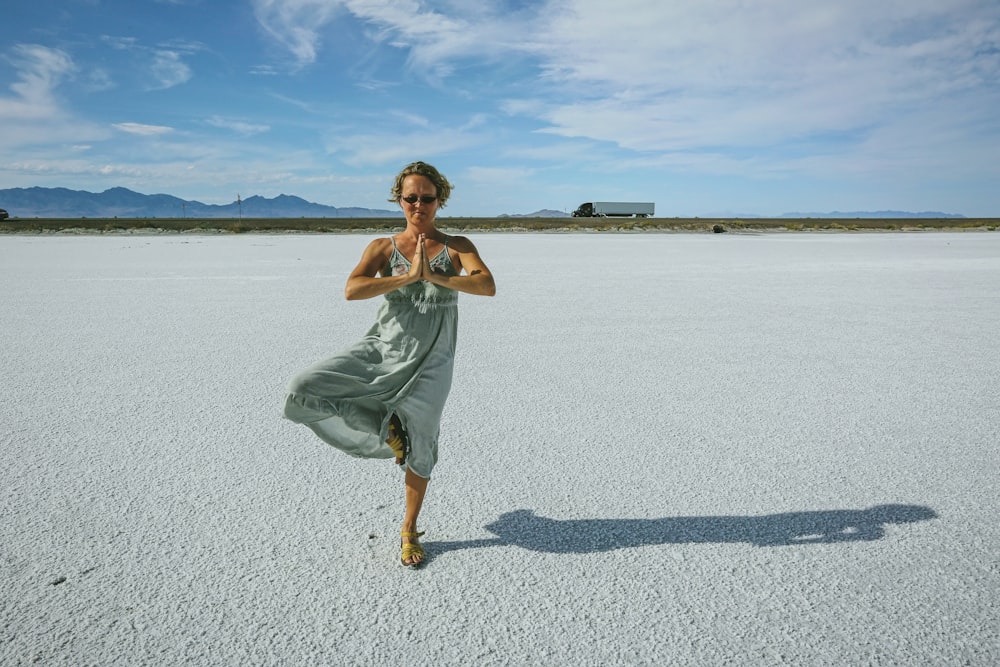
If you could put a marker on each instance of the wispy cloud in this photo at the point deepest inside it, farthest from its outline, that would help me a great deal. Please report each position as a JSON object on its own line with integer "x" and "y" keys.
{"x": 142, "y": 129}
{"x": 238, "y": 126}
{"x": 163, "y": 64}
{"x": 40, "y": 70}
{"x": 295, "y": 24}
{"x": 120, "y": 43}
{"x": 394, "y": 146}
{"x": 295, "y": 102}
{"x": 168, "y": 70}
{"x": 710, "y": 74}
{"x": 35, "y": 113}
{"x": 410, "y": 118}
{"x": 437, "y": 40}
{"x": 264, "y": 70}
{"x": 98, "y": 80}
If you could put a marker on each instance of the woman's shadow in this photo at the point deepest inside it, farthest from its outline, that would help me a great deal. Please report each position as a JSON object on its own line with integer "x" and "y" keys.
{"x": 523, "y": 528}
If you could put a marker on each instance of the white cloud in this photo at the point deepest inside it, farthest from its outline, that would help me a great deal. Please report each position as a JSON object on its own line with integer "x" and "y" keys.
{"x": 60, "y": 168}
{"x": 168, "y": 70}
{"x": 264, "y": 70}
{"x": 392, "y": 147}
{"x": 40, "y": 70}
{"x": 297, "y": 103}
{"x": 295, "y": 23}
{"x": 499, "y": 179}
{"x": 163, "y": 63}
{"x": 143, "y": 130}
{"x": 437, "y": 40}
{"x": 119, "y": 43}
{"x": 34, "y": 114}
{"x": 238, "y": 126}
{"x": 98, "y": 80}
{"x": 649, "y": 76}
{"x": 410, "y": 118}
{"x": 477, "y": 120}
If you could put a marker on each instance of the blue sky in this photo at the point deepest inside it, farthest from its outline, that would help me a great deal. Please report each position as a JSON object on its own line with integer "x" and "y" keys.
{"x": 716, "y": 107}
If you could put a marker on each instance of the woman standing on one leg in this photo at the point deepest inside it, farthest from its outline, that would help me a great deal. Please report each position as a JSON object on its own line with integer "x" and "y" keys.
{"x": 383, "y": 396}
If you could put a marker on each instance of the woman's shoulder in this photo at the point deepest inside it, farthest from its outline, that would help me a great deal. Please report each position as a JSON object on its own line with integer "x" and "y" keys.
{"x": 377, "y": 253}
{"x": 381, "y": 246}
{"x": 461, "y": 244}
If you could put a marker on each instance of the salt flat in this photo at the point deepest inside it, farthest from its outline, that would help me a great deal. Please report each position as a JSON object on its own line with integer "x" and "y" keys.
{"x": 659, "y": 449}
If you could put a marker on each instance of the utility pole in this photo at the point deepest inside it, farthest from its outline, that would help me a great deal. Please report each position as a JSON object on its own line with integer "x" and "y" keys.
{"x": 239, "y": 202}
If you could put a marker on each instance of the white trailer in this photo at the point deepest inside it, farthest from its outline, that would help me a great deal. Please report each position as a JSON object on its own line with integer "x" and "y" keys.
{"x": 623, "y": 209}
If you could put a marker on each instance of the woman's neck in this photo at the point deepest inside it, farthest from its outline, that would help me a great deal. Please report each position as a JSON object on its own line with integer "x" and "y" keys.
{"x": 414, "y": 231}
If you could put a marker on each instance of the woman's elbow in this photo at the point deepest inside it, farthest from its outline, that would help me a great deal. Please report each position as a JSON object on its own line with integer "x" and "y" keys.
{"x": 485, "y": 286}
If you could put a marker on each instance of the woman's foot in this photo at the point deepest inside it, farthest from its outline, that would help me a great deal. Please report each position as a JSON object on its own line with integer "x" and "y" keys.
{"x": 411, "y": 552}
{"x": 397, "y": 440}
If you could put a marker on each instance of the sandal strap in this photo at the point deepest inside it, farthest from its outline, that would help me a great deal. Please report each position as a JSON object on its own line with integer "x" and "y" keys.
{"x": 396, "y": 445}
{"x": 410, "y": 550}
{"x": 408, "y": 533}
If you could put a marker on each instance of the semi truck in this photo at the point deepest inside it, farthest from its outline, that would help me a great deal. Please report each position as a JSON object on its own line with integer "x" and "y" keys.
{"x": 618, "y": 209}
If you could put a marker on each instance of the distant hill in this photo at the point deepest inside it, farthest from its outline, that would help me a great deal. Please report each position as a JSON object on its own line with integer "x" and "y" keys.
{"x": 544, "y": 213}
{"x": 872, "y": 214}
{"x": 124, "y": 203}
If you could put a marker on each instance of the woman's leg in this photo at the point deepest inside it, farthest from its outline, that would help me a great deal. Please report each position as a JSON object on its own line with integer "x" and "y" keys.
{"x": 416, "y": 488}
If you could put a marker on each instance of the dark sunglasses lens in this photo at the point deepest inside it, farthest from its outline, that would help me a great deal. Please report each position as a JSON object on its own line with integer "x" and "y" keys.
{"x": 425, "y": 199}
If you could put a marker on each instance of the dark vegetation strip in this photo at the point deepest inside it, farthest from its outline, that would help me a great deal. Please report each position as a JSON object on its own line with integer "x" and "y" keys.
{"x": 330, "y": 225}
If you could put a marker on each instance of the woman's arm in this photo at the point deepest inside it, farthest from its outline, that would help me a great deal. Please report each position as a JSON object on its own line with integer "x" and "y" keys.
{"x": 477, "y": 278}
{"x": 364, "y": 283}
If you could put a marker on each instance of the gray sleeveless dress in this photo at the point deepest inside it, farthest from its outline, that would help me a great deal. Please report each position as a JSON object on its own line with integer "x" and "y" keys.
{"x": 403, "y": 365}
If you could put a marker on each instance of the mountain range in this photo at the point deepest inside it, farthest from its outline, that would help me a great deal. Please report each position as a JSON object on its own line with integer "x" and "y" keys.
{"x": 873, "y": 214}
{"x": 842, "y": 215}
{"x": 37, "y": 202}
{"x": 124, "y": 203}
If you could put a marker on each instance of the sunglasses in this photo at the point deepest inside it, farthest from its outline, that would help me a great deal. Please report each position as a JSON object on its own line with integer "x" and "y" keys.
{"x": 423, "y": 199}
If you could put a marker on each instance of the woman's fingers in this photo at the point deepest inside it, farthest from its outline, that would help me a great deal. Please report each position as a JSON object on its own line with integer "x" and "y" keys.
{"x": 426, "y": 260}
{"x": 417, "y": 268}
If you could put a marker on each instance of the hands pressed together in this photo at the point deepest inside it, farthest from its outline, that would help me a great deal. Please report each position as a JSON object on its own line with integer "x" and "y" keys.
{"x": 421, "y": 269}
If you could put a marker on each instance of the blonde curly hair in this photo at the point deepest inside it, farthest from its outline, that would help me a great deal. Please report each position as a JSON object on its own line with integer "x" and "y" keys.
{"x": 427, "y": 171}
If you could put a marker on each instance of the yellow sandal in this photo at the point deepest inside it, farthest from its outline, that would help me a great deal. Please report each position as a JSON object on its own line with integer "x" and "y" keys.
{"x": 398, "y": 443}
{"x": 411, "y": 549}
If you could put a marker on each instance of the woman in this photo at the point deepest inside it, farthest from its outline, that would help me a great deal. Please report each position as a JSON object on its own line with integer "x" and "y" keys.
{"x": 383, "y": 396}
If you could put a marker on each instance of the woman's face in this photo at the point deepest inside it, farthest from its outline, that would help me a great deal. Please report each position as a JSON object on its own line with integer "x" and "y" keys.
{"x": 419, "y": 189}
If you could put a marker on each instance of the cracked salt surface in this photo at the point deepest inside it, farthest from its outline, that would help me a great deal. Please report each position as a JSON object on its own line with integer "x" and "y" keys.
{"x": 659, "y": 449}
